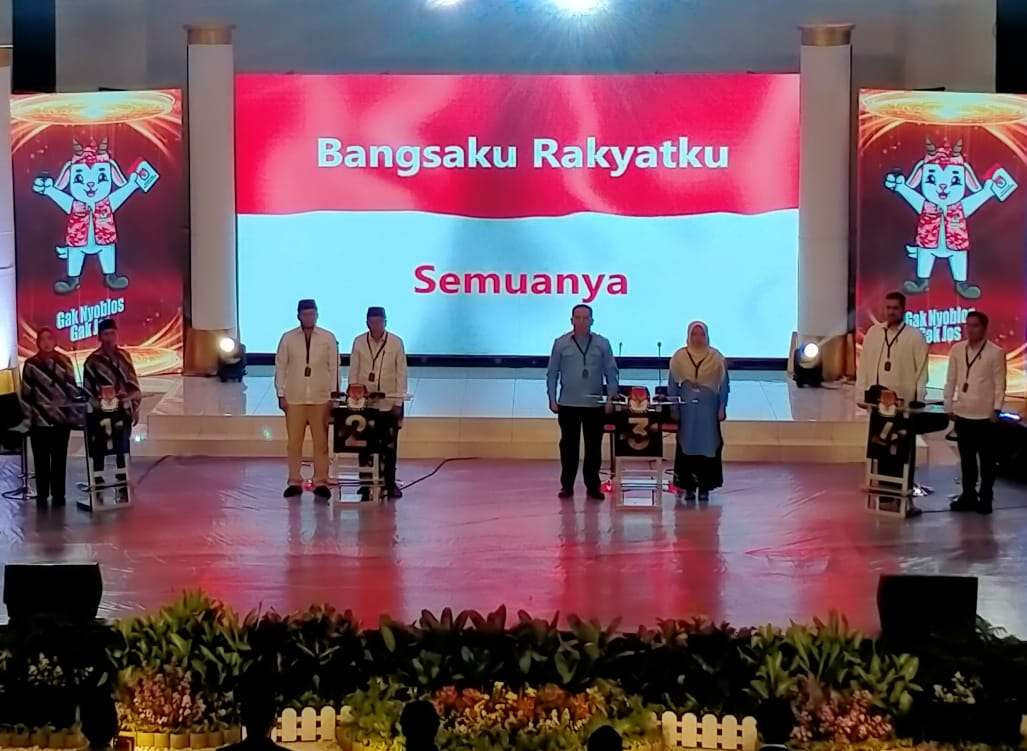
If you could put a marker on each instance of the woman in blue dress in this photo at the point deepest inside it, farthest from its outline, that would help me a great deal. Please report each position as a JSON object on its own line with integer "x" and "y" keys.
{"x": 698, "y": 375}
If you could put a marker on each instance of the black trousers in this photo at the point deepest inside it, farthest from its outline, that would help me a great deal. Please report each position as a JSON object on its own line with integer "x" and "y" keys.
{"x": 575, "y": 421}
{"x": 50, "y": 452}
{"x": 976, "y": 441}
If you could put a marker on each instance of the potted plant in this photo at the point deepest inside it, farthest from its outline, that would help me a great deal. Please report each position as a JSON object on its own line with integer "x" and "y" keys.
{"x": 144, "y": 738}
{"x": 5, "y": 736}
{"x": 233, "y": 734}
{"x": 198, "y": 737}
{"x": 162, "y": 739}
{"x": 774, "y": 689}
{"x": 179, "y": 739}
{"x": 59, "y": 738}
{"x": 40, "y": 736}
{"x": 20, "y": 737}
{"x": 216, "y": 737}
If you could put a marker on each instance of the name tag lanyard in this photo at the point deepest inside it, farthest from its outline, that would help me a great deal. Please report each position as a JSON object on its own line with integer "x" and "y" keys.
{"x": 375, "y": 355}
{"x": 306, "y": 339}
{"x": 695, "y": 384}
{"x": 584, "y": 353}
{"x": 970, "y": 364}
{"x": 889, "y": 344}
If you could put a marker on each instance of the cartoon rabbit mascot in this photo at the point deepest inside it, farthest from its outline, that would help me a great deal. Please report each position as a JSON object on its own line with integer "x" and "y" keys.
{"x": 90, "y": 206}
{"x": 943, "y": 202}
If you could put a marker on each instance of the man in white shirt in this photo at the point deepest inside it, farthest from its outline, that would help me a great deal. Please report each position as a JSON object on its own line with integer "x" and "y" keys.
{"x": 306, "y": 374}
{"x": 975, "y": 391}
{"x": 894, "y": 355}
{"x": 379, "y": 362}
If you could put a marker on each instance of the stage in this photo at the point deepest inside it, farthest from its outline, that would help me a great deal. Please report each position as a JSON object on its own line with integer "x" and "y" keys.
{"x": 786, "y": 538}
{"x": 779, "y": 542}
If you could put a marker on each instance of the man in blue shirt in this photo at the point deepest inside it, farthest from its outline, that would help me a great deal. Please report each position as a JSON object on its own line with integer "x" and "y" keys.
{"x": 580, "y": 361}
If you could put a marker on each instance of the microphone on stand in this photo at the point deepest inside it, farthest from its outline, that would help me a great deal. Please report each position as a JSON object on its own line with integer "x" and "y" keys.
{"x": 659, "y": 364}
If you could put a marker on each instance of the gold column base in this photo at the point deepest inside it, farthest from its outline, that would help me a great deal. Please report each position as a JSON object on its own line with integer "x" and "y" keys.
{"x": 837, "y": 354}
{"x": 9, "y": 381}
{"x": 201, "y": 351}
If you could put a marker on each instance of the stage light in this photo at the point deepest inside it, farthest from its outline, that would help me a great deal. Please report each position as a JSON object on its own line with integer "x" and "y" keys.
{"x": 807, "y": 368}
{"x": 444, "y": 3}
{"x": 579, "y": 7}
{"x": 231, "y": 359}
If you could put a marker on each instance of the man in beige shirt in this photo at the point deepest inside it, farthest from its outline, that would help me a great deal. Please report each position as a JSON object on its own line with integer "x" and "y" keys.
{"x": 975, "y": 391}
{"x": 306, "y": 374}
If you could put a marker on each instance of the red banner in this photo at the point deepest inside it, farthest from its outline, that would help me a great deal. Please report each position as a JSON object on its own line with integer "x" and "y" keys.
{"x": 538, "y": 145}
{"x": 100, "y": 211}
{"x": 943, "y": 216}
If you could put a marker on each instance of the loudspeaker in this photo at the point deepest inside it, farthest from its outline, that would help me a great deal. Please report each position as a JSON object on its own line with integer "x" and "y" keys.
{"x": 67, "y": 592}
{"x": 914, "y": 607}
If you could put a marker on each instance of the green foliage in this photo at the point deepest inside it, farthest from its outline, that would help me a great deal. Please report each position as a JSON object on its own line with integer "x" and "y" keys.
{"x": 321, "y": 656}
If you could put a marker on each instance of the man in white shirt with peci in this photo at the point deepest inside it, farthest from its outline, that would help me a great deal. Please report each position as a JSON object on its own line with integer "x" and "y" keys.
{"x": 306, "y": 374}
{"x": 975, "y": 391}
{"x": 378, "y": 361}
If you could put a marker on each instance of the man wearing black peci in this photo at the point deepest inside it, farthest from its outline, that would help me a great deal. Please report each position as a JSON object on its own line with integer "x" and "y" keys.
{"x": 579, "y": 363}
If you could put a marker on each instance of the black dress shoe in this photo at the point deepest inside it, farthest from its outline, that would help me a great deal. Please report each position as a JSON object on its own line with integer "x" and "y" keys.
{"x": 292, "y": 491}
{"x": 964, "y": 503}
{"x": 595, "y": 495}
{"x": 565, "y": 493}
{"x": 58, "y": 502}
{"x": 394, "y": 492}
{"x": 984, "y": 507}
{"x": 704, "y": 496}
{"x": 323, "y": 492}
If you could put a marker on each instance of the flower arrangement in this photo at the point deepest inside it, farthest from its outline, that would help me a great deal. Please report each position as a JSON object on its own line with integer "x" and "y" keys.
{"x": 500, "y": 717}
{"x": 843, "y": 718}
{"x": 959, "y": 690}
{"x": 46, "y": 672}
{"x": 161, "y": 701}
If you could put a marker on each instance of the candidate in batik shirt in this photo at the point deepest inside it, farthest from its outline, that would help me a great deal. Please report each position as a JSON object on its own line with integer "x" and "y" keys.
{"x": 49, "y": 392}
{"x": 109, "y": 365}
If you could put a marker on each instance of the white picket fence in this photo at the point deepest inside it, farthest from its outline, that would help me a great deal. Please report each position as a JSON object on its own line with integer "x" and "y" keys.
{"x": 686, "y": 732}
{"x": 308, "y": 725}
{"x": 709, "y": 733}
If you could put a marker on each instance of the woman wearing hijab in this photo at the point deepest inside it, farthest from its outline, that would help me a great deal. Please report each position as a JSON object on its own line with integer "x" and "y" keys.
{"x": 698, "y": 376}
{"x": 48, "y": 388}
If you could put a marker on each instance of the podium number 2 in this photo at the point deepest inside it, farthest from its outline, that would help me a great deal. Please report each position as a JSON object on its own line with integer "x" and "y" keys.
{"x": 359, "y": 425}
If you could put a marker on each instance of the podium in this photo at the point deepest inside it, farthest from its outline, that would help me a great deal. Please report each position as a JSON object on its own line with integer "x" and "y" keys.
{"x": 363, "y": 427}
{"x": 108, "y": 439}
{"x": 891, "y": 453}
{"x": 637, "y": 466}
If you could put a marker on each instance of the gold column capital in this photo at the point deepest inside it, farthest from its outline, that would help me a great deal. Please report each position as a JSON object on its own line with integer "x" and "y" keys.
{"x": 826, "y": 34}
{"x": 209, "y": 33}
{"x": 6, "y": 53}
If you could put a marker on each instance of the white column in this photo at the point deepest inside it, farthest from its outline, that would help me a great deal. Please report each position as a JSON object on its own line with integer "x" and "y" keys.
{"x": 8, "y": 290}
{"x": 825, "y": 132}
{"x": 211, "y": 117}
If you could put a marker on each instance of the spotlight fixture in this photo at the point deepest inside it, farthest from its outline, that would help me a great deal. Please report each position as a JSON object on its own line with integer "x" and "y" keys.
{"x": 231, "y": 359}
{"x": 807, "y": 367}
{"x": 579, "y": 7}
{"x": 443, "y": 3}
